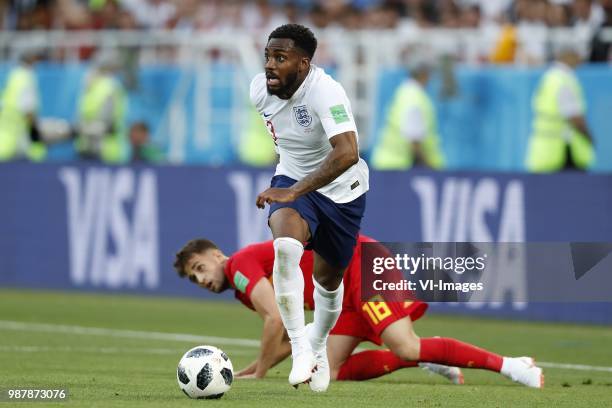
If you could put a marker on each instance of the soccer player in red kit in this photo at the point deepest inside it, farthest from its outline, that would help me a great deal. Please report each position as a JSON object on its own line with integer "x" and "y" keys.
{"x": 249, "y": 272}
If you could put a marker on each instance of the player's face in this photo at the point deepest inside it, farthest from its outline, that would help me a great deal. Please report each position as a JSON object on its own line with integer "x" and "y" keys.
{"x": 284, "y": 64}
{"x": 206, "y": 270}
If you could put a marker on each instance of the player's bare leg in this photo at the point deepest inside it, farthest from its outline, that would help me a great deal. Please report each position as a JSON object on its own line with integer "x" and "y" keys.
{"x": 399, "y": 336}
{"x": 369, "y": 364}
{"x": 290, "y": 231}
{"x": 405, "y": 343}
{"x": 339, "y": 350}
{"x": 328, "y": 295}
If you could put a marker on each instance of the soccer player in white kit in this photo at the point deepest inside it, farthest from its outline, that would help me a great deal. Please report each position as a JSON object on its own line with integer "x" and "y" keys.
{"x": 317, "y": 195}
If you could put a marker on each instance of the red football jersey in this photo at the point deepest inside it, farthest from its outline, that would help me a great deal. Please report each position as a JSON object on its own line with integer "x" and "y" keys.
{"x": 247, "y": 266}
{"x": 365, "y": 320}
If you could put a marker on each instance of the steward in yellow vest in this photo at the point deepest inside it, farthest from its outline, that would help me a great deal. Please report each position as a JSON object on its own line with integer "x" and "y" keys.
{"x": 410, "y": 136}
{"x": 102, "y": 109}
{"x": 19, "y": 102}
{"x": 256, "y": 147}
{"x": 560, "y": 136}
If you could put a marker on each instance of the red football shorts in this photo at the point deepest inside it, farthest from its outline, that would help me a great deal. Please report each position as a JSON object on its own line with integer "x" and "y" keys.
{"x": 373, "y": 318}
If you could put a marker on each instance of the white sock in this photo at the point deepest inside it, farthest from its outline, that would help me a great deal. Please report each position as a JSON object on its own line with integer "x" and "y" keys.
{"x": 289, "y": 286}
{"x": 328, "y": 305}
{"x": 509, "y": 365}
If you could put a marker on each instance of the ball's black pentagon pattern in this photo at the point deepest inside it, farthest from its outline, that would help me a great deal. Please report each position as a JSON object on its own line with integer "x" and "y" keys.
{"x": 182, "y": 375}
{"x": 199, "y": 352}
{"x": 228, "y": 377}
{"x": 204, "y": 377}
{"x": 225, "y": 357}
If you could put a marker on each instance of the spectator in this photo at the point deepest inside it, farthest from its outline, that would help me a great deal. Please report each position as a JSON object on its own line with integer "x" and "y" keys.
{"x": 410, "y": 136}
{"x": 588, "y": 17}
{"x": 532, "y": 31}
{"x": 383, "y": 17}
{"x": 72, "y": 15}
{"x": 352, "y": 18}
{"x": 491, "y": 10}
{"x": 4, "y": 14}
{"x": 601, "y": 49}
{"x": 558, "y": 15}
{"x": 151, "y": 14}
{"x": 292, "y": 13}
{"x": 33, "y": 15}
{"x": 560, "y": 136}
{"x": 504, "y": 51}
{"x": 422, "y": 13}
{"x": 256, "y": 147}
{"x": 588, "y": 14}
{"x": 186, "y": 15}
{"x": 264, "y": 17}
{"x": 470, "y": 17}
{"x": 318, "y": 18}
{"x": 106, "y": 14}
{"x": 449, "y": 16}
{"x": 141, "y": 148}
{"x": 208, "y": 14}
{"x": 334, "y": 9}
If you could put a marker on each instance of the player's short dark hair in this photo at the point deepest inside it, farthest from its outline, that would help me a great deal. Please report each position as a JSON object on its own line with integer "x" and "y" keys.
{"x": 195, "y": 246}
{"x": 302, "y": 37}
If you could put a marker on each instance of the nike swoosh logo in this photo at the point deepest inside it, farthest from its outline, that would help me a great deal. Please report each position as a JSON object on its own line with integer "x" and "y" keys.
{"x": 267, "y": 115}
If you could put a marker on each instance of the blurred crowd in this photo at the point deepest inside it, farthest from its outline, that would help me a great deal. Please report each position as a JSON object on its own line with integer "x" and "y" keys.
{"x": 263, "y": 15}
{"x": 503, "y": 23}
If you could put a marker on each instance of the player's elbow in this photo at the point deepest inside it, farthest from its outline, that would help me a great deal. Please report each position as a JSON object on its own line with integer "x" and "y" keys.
{"x": 350, "y": 157}
{"x": 354, "y": 158}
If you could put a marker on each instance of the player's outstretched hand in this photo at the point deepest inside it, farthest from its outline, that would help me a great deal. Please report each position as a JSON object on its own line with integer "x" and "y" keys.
{"x": 275, "y": 195}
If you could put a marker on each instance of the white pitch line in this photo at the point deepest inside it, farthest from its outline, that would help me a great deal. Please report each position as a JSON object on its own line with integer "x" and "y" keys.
{"x": 100, "y": 350}
{"x": 135, "y": 334}
{"x": 580, "y": 367}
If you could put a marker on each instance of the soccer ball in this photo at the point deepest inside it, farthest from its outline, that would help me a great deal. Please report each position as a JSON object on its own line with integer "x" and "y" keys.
{"x": 205, "y": 372}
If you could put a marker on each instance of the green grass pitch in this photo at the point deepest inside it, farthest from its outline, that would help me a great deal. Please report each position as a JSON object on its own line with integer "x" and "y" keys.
{"x": 43, "y": 345}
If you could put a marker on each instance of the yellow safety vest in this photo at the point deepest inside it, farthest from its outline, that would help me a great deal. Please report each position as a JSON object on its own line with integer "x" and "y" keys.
{"x": 551, "y": 131}
{"x": 256, "y": 146}
{"x": 113, "y": 147}
{"x": 394, "y": 152}
{"x": 14, "y": 126}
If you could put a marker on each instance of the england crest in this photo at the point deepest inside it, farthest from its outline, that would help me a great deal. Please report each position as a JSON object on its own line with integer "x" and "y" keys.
{"x": 302, "y": 116}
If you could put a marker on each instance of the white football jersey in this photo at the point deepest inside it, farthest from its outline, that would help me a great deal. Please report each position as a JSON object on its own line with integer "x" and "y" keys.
{"x": 302, "y": 126}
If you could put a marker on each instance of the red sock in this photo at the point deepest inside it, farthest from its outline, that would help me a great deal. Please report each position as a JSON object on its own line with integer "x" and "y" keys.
{"x": 371, "y": 364}
{"x": 452, "y": 352}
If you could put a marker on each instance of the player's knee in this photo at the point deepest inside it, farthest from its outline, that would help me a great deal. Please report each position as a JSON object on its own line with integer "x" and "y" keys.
{"x": 287, "y": 253}
{"x": 330, "y": 282}
{"x": 286, "y": 222}
{"x": 407, "y": 351}
{"x": 326, "y": 275}
{"x": 409, "y": 348}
